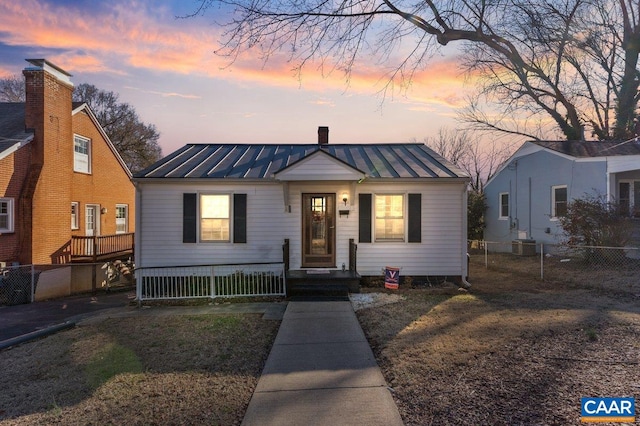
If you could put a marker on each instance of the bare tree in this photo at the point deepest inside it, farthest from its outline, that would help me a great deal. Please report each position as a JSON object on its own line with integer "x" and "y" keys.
{"x": 136, "y": 141}
{"x": 12, "y": 89}
{"x": 569, "y": 61}
{"x": 480, "y": 159}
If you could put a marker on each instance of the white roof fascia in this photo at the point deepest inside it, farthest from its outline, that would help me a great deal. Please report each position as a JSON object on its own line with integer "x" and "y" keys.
{"x": 623, "y": 163}
{"x": 13, "y": 148}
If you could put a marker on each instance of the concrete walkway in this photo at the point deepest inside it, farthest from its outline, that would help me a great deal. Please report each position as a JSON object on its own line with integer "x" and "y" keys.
{"x": 321, "y": 371}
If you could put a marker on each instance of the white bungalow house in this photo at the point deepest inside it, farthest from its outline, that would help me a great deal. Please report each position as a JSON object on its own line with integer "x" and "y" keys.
{"x": 531, "y": 190}
{"x": 314, "y": 207}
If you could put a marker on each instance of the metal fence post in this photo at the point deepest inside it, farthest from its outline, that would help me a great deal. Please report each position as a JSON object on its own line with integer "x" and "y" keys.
{"x": 541, "y": 261}
{"x": 33, "y": 283}
{"x": 486, "y": 255}
{"x": 213, "y": 283}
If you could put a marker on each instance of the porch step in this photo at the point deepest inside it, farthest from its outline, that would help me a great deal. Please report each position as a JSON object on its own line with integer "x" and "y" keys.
{"x": 318, "y": 283}
{"x": 319, "y": 290}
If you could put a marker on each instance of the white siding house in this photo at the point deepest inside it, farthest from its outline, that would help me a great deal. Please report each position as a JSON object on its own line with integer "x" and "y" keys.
{"x": 402, "y": 204}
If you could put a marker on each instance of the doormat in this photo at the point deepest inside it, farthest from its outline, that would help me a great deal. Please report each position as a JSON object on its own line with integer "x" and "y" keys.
{"x": 318, "y": 271}
{"x": 391, "y": 277}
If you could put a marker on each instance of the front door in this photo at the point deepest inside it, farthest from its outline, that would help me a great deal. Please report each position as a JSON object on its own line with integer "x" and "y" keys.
{"x": 318, "y": 230}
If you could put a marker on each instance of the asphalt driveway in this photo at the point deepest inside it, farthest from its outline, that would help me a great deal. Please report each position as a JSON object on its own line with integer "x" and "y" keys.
{"x": 22, "y": 319}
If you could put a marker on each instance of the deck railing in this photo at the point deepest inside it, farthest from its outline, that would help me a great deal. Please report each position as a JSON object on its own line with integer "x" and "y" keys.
{"x": 210, "y": 281}
{"x": 98, "y": 247}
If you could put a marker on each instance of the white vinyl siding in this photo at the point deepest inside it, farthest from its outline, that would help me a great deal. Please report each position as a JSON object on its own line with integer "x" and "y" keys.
{"x": 75, "y": 215}
{"x": 214, "y": 217}
{"x": 81, "y": 154}
{"x": 122, "y": 218}
{"x": 6, "y": 215}
{"x": 442, "y": 251}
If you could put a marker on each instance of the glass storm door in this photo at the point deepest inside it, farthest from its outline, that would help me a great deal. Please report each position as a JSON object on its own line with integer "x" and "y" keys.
{"x": 318, "y": 230}
{"x": 91, "y": 222}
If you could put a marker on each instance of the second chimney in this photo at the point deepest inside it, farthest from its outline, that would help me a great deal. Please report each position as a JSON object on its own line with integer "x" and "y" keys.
{"x": 323, "y": 135}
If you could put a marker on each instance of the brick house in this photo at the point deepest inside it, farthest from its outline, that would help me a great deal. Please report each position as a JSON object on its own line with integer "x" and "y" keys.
{"x": 65, "y": 193}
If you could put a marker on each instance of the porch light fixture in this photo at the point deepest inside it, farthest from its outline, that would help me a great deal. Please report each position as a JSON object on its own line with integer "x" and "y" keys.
{"x": 345, "y": 198}
{"x": 103, "y": 210}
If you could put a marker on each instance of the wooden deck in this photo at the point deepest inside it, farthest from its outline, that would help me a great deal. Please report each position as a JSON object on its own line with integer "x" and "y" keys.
{"x": 101, "y": 247}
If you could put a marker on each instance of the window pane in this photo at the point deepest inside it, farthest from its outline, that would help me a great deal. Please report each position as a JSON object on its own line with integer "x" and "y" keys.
{"x": 121, "y": 219}
{"x": 214, "y": 206}
{"x": 560, "y": 199}
{"x": 5, "y": 219}
{"x": 504, "y": 205}
{"x": 74, "y": 215}
{"x": 389, "y": 224}
{"x": 81, "y": 148}
{"x": 214, "y": 217}
{"x": 214, "y": 229}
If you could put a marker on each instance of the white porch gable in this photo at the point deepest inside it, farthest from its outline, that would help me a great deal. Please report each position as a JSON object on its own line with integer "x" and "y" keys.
{"x": 319, "y": 166}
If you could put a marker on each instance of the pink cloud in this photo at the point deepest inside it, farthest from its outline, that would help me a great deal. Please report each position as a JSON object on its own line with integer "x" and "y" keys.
{"x": 150, "y": 38}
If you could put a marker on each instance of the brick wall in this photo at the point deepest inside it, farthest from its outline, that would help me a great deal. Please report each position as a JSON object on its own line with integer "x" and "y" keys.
{"x": 13, "y": 172}
{"x": 51, "y": 184}
{"x": 107, "y": 185}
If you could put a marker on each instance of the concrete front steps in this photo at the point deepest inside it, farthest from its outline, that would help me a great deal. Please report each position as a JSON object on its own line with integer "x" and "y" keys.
{"x": 322, "y": 283}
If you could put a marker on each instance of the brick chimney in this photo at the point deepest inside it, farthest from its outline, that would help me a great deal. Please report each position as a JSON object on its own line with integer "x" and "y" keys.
{"x": 323, "y": 135}
{"x": 46, "y": 192}
{"x": 48, "y": 104}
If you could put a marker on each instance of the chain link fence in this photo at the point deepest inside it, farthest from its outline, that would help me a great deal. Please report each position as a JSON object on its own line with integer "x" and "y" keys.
{"x": 17, "y": 284}
{"x": 30, "y": 283}
{"x": 610, "y": 268}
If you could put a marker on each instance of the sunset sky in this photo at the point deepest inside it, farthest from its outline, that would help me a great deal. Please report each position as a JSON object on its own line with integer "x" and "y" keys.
{"x": 166, "y": 68}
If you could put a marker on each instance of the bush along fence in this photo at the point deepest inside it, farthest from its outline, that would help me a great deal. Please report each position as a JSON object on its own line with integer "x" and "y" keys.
{"x": 599, "y": 266}
{"x": 210, "y": 281}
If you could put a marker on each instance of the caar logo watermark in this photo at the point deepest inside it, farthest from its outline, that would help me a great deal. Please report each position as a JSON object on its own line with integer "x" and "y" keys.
{"x": 596, "y": 410}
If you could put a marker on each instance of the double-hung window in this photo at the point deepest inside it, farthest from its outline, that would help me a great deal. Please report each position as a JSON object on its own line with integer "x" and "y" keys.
{"x": 558, "y": 201}
{"x": 122, "y": 218}
{"x": 504, "y": 205}
{"x": 215, "y": 217}
{"x": 389, "y": 217}
{"x": 75, "y": 219}
{"x": 81, "y": 154}
{"x": 6, "y": 215}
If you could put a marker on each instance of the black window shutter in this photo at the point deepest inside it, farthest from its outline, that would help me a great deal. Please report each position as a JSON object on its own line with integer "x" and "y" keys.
{"x": 239, "y": 218}
{"x": 415, "y": 218}
{"x": 364, "y": 223}
{"x": 189, "y": 217}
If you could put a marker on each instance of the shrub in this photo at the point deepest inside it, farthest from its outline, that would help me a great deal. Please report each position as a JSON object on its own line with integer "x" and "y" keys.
{"x": 594, "y": 222}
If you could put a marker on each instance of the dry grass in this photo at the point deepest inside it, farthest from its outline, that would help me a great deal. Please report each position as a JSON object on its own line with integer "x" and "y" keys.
{"x": 513, "y": 350}
{"x": 510, "y": 351}
{"x": 167, "y": 370}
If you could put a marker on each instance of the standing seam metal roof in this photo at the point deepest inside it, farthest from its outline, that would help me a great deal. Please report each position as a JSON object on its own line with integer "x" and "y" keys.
{"x": 220, "y": 161}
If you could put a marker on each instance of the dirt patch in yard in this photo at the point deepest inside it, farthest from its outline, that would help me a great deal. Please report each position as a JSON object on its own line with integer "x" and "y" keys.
{"x": 511, "y": 350}
{"x": 166, "y": 370}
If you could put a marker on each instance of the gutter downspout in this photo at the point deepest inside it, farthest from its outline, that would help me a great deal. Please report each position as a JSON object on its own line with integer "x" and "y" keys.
{"x": 137, "y": 255}
{"x": 465, "y": 224}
